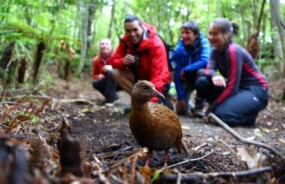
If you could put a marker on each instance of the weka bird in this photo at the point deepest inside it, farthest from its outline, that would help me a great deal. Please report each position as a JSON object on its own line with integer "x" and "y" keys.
{"x": 153, "y": 125}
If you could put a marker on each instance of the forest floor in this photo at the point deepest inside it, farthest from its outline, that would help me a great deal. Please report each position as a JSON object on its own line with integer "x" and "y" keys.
{"x": 109, "y": 152}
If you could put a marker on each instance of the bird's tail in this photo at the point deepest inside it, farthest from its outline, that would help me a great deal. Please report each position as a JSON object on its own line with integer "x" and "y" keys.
{"x": 181, "y": 146}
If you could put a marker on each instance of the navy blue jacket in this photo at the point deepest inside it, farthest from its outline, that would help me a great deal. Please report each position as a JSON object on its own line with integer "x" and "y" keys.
{"x": 189, "y": 60}
{"x": 237, "y": 66}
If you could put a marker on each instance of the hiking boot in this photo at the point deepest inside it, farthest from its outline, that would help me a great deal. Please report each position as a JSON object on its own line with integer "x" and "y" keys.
{"x": 199, "y": 113}
{"x": 111, "y": 103}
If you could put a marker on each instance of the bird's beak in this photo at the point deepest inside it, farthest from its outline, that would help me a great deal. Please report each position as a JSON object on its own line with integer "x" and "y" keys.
{"x": 157, "y": 94}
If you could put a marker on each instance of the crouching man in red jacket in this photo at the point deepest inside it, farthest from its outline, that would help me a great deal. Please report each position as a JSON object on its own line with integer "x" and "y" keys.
{"x": 141, "y": 54}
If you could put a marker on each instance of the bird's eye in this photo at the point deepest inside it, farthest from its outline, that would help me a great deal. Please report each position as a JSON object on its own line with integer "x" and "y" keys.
{"x": 144, "y": 87}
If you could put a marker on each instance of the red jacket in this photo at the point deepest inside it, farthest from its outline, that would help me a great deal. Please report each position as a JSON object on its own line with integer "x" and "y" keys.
{"x": 152, "y": 55}
{"x": 98, "y": 64}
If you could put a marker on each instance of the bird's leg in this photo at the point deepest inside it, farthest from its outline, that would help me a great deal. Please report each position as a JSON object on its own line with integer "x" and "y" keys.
{"x": 149, "y": 155}
{"x": 166, "y": 156}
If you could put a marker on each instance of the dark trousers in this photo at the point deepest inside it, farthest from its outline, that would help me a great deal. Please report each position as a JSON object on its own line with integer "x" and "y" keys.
{"x": 167, "y": 100}
{"x": 107, "y": 87}
{"x": 239, "y": 109}
{"x": 189, "y": 86}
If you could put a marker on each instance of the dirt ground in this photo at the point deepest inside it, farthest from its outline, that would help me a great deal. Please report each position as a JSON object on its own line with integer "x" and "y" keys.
{"x": 110, "y": 153}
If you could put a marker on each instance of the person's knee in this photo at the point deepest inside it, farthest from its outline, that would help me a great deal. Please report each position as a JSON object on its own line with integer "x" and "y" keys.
{"x": 200, "y": 72}
{"x": 116, "y": 74}
{"x": 110, "y": 72}
{"x": 95, "y": 84}
{"x": 201, "y": 83}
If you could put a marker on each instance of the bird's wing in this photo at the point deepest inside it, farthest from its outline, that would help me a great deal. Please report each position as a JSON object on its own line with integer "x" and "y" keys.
{"x": 162, "y": 111}
{"x": 166, "y": 118}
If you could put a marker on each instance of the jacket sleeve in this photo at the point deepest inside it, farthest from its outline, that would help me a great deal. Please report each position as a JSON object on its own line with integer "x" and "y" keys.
{"x": 211, "y": 65}
{"x": 234, "y": 77}
{"x": 204, "y": 57}
{"x": 96, "y": 67}
{"x": 177, "y": 79}
{"x": 118, "y": 56}
{"x": 159, "y": 71}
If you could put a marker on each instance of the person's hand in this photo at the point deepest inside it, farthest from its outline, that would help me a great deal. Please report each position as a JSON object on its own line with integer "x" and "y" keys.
{"x": 101, "y": 76}
{"x": 107, "y": 68}
{"x": 182, "y": 75}
{"x": 219, "y": 81}
{"x": 129, "y": 59}
{"x": 206, "y": 119}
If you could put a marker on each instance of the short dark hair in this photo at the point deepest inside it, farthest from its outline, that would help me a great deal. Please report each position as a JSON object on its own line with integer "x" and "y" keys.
{"x": 131, "y": 18}
{"x": 192, "y": 26}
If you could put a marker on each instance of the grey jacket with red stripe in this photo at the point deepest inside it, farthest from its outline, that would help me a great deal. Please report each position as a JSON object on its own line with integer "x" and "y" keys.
{"x": 237, "y": 66}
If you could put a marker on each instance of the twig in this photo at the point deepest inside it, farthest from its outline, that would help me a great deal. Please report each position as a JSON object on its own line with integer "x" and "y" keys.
{"x": 226, "y": 145}
{"x": 77, "y": 101}
{"x": 194, "y": 176}
{"x": 141, "y": 152}
{"x": 133, "y": 170}
{"x": 189, "y": 160}
{"x": 7, "y": 102}
{"x": 39, "y": 96}
{"x": 116, "y": 153}
{"x": 4, "y": 88}
{"x": 237, "y": 136}
{"x": 200, "y": 146}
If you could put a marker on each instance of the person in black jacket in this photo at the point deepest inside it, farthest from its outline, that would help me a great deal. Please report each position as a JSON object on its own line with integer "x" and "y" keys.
{"x": 240, "y": 92}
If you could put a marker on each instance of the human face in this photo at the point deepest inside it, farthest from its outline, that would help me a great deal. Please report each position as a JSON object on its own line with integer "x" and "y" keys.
{"x": 217, "y": 38}
{"x": 105, "y": 46}
{"x": 188, "y": 36}
{"x": 134, "y": 31}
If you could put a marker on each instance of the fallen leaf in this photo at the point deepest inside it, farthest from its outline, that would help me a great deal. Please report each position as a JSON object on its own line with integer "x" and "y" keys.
{"x": 266, "y": 130}
{"x": 245, "y": 156}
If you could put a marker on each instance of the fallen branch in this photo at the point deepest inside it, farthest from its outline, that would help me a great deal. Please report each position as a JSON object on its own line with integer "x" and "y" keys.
{"x": 189, "y": 160}
{"x": 243, "y": 140}
{"x": 198, "y": 176}
{"x": 141, "y": 152}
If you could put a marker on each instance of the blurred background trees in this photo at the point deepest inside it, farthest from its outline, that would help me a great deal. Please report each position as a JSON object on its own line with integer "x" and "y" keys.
{"x": 31, "y": 32}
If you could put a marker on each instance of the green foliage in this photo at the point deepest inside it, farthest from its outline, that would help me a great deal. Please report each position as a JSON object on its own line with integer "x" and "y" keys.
{"x": 50, "y": 21}
{"x": 155, "y": 175}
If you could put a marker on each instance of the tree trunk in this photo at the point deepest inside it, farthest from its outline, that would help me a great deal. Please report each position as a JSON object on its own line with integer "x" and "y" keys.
{"x": 11, "y": 73}
{"x": 112, "y": 20}
{"x": 38, "y": 59}
{"x": 6, "y": 56}
{"x": 278, "y": 31}
{"x": 254, "y": 7}
{"x": 22, "y": 70}
{"x": 90, "y": 15}
{"x": 82, "y": 34}
{"x": 6, "y": 64}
